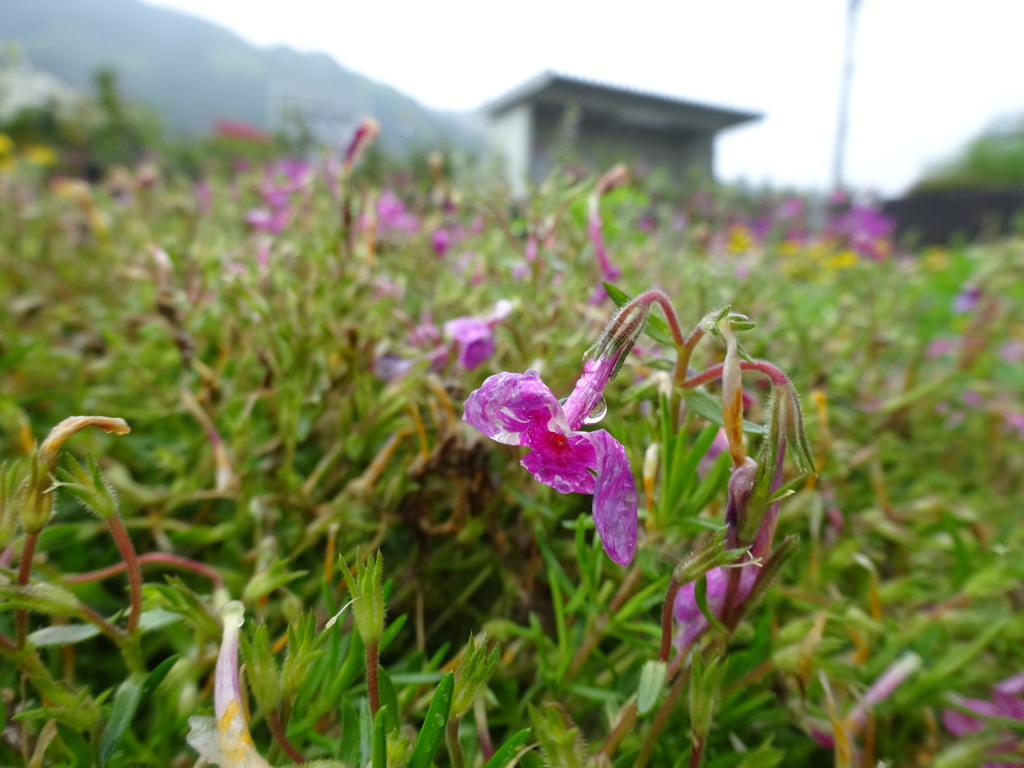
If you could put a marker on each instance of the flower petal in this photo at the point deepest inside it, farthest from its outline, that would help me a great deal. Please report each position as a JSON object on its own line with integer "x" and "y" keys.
{"x": 475, "y": 339}
{"x": 509, "y": 405}
{"x": 564, "y": 465}
{"x": 615, "y": 507}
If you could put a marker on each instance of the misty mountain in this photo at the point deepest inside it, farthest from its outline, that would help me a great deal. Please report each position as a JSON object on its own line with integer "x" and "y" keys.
{"x": 194, "y": 72}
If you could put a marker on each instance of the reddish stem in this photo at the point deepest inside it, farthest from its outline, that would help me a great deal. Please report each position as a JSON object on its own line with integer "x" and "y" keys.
{"x": 778, "y": 378}
{"x": 131, "y": 562}
{"x": 7, "y": 644}
{"x": 28, "y": 552}
{"x": 655, "y": 296}
{"x": 277, "y": 728}
{"x": 164, "y": 558}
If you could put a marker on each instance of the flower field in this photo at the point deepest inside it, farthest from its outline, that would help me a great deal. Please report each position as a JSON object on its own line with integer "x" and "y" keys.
{"x": 389, "y": 469}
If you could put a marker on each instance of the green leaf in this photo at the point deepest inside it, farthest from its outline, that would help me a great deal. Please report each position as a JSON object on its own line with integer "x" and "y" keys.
{"x": 714, "y": 481}
{"x": 126, "y": 701}
{"x": 380, "y": 741}
{"x": 652, "y": 682}
{"x": 67, "y": 634}
{"x": 157, "y": 618}
{"x": 154, "y": 678}
{"x": 432, "y": 732}
{"x": 388, "y": 699}
{"x": 508, "y": 750}
{"x": 707, "y": 406}
{"x": 700, "y": 594}
{"x": 348, "y": 745}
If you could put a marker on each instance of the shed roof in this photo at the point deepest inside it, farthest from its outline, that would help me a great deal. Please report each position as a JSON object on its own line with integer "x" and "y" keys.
{"x": 628, "y": 105}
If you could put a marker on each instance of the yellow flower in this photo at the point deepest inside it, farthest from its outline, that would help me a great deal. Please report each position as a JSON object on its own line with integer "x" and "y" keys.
{"x": 740, "y": 240}
{"x": 40, "y": 154}
{"x": 789, "y": 248}
{"x": 936, "y": 258}
{"x": 845, "y": 259}
{"x": 6, "y": 152}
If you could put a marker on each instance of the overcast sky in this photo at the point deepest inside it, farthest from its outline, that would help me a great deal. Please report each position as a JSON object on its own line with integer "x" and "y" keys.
{"x": 929, "y": 74}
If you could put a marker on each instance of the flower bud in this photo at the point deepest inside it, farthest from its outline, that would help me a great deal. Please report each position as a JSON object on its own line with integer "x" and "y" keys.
{"x": 86, "y": 484}
{"x": 364, "y": 136}
{"x": 708, "y": 557}
{"x": 9, "y": 477}
{"x": 367, "y": 589}
{"x": 472, "y": 674}
{"x": 261, "y": 669}
{"x": 732, "y": 394}
{"x": 559, "y": 737}
{"x": 705, "y": 689}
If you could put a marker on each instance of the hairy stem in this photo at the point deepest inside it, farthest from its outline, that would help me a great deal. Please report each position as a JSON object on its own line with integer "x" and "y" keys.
{"x": 131, "y": 563}
{"x": 372, "y": 682}
{"x": 277, "y": 728}
{"x": 762, "y": 366}
{"x": 163, "y": 558}
{"x": 28, "y": 552}
{"x": 697, "y": 753}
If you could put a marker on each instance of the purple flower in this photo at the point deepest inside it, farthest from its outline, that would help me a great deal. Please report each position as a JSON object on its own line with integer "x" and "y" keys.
{"x": 692, "y": 623}
{"x": 1007, "y": 701}
{"x": 966, "y": 300}
{"x": 440, "y": 240}
{"x": 790, "y": 208}
{"x": 1012, "y": 352}
{"x": 264, "y": 220}
{"x": 392, "y": 216}
{"x": 475, "y": 339}
{"x": 520, "y": 409}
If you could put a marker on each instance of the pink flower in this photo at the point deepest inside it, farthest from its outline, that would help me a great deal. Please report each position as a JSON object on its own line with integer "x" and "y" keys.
{"x": 520, "y": 409}
{"x": 966, "y": 300}
{"x": 440, "y": 239}
{"x": 686, "y": 612}
{"x": 475, "y": 340}
{"x": 475, "y": 337}
{"x": 1007, "y": 701}
{"x": 1012, "y": 352}
{"x": 392, "y": 216}
{"x": 264, "y": 220}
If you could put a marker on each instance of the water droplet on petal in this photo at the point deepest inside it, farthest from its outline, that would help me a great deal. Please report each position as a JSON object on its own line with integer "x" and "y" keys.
{"x": 532, "y": 373}
{"x": 597, "y": 412}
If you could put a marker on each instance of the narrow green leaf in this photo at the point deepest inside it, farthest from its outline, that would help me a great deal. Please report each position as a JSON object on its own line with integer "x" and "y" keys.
{"x": 508, "y": 750}
{"x": 126, "y": 701}
{"x": 347, "y": 750}
{"x": 714, "y": 481}
{"x": 705, "y": 405}
{"x": 154, "y": 678}
{"x": 67, "y": 634}
{"x": 388, "y": 699}
{"x": 700, "y": 594}
{"x": 432, "y": 732}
